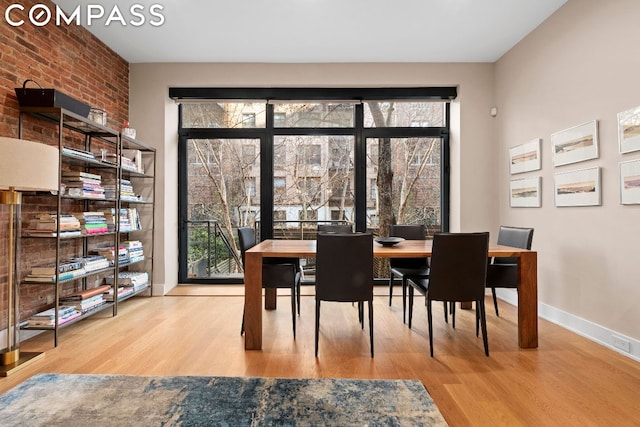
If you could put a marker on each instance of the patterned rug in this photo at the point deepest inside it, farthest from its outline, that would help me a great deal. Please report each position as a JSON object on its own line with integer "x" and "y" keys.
{"x": 122, "y": 400}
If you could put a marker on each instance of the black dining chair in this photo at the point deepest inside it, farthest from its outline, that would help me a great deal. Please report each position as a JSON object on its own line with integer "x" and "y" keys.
{"x": 458, "y": 274}
{"x": 276, "y": 272}
{"x": 404, "y": 268}
{"x": 344, "y": 273}
{"x": 335, "y": 228}
{"x": 503, "y": 271}
{"x": 325, "y": 228}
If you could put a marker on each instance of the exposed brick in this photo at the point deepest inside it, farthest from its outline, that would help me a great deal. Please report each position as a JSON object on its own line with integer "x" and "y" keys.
{"x": 72, "y": 60}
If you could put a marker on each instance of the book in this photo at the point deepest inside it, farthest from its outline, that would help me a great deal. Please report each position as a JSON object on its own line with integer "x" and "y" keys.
{"x": 75, "y": 152}
{"x": 81, "y": 174}
{"x": 62, "y": 268}
{"x": 86, "y": 294}
{"x": 51, "y": 278}
{"x": 63, "y": 310}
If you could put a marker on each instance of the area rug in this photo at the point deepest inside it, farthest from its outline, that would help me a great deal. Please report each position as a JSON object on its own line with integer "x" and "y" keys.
{"x": 123, "y": 400}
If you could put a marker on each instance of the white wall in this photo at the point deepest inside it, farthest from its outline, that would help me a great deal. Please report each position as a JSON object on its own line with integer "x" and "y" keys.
{"x": 581, "y": 64}
{"x": 474, "y": 151}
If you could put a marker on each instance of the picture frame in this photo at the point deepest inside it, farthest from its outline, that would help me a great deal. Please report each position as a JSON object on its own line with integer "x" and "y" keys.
{"x": 525, "y": 193}
{"x": 525, "y": 157}
{"x": 578, "y": 188}
{"x": 629, "y": 130}
{"x": 575, "y": 144}
{"x": 630, "y": 182}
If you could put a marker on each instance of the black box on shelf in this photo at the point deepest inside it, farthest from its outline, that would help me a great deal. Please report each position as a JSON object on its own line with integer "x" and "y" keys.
{"x": 41, "y": 97}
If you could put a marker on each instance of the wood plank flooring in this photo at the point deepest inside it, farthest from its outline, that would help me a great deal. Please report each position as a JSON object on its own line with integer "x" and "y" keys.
{"x": 567, "y": 381}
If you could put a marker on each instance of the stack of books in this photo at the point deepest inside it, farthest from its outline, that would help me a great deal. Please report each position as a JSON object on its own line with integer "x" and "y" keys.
{"x": 132, "y": 160}
{"x": 69, "y": 269}
{"x": 109, "y": 252}
{"x": 129, "y": 219}
{"x": 45, "y": 224}
{"x": 48, "y": 317}
{"x": 126, "y": 190}
{"x": 135, "y": 250}
{"x": 93, "y": 262}
{"x": 110, "y": 219}
{"x": 89, "y": 299}
{"x": 129, "y": 282}
{"x": 78, "y": 153}
{"x": 122, "y": 292}
{"x": 83, "y": 184}
{"x": 93, "y": 223}
{"x": 128, "y": 164}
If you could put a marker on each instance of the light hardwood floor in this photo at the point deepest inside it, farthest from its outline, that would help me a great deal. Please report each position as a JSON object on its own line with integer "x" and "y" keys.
{"x": 567, "y": 381}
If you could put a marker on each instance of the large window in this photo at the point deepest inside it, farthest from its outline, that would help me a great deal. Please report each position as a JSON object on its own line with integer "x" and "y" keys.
{"x": 282, "y": 167}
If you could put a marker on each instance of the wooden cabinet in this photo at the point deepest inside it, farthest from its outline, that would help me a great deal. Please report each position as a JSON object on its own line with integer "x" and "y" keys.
{"x": 89, "y": 247}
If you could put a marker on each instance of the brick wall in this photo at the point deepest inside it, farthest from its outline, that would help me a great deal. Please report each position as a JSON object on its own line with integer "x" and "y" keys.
{"x": 69, "y": 59}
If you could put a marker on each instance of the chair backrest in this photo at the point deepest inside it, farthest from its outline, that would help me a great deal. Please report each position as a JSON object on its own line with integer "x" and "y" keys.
{"x": 246, "y": 239}
{"x": 517, "y": 237}
{"x": 344, "y": 267}
{"x": 409, "y": 232}
{"x": 458, "y": 266}
{"x": 335, "y": 228}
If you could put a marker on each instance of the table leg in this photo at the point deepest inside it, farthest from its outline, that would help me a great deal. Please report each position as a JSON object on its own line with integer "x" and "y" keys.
{"x": 270, "y": 298}
{"x": 528, "y": 300}
{"x": 252, "y": 301}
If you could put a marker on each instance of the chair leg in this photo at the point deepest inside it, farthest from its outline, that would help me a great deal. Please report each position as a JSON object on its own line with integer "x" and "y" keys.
{"x": 298, "y": 297}
{"x": 242, "y": 329}
{"x": 361, "y": 314}
{"x": 452, "y": 307}
{"x": 495, "y": 301}
{"x": 404, "y": 299}
{"x": 390, "y": 288}
{"x": 410, "y": 305}
{"x": 430, "y": 321}
{"x": 317, "y": 323}
{"x": 371, "y": 325}
{"x": 483, "y": 322}
{"x": 477, "y": 319}
{"x": 446, "y": 311}
{"x": 293, "y": 311}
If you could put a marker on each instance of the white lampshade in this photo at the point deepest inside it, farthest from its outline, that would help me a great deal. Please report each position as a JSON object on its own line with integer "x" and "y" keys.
{"x": 27, "y": 165}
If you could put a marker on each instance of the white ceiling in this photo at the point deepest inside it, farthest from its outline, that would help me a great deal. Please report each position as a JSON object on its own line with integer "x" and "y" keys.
{"x": 319, "y": 30}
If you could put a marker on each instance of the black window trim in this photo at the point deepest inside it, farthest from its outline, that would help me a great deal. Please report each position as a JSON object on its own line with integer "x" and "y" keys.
{"x": 266, "y": 137}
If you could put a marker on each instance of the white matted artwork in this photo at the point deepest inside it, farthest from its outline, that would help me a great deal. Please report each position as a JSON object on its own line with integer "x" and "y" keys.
{"x": 578, "y": 188}
{"x": 575, "y": 144}
{"x": 630, "y": 182}
{"x": 525, "y": 157}
{"x": 629, "y": 130}
{"x": 525, "y": 193}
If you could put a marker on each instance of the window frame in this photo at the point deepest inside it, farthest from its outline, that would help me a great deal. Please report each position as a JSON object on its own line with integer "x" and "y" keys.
{"x": 267, "y": 134}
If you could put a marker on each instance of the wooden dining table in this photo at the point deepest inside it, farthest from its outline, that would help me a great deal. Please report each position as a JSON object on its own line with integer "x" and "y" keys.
{"x": 527, "y": 280}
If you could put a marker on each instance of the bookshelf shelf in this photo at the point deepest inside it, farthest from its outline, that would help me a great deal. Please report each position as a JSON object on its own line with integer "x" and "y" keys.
{"x": 106, "y": 180}
{"x": 84, "y": 315}
{"x": 83, "y": 276}
{"x": 133, "y": 294}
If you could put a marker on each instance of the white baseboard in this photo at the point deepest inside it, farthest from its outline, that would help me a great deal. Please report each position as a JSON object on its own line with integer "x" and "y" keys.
{"x": 594, "y": 332}
{"x": 161, "y": 288}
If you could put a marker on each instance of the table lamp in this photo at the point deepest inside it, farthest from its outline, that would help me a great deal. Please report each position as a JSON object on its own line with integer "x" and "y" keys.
{"x": 24, "y": 166}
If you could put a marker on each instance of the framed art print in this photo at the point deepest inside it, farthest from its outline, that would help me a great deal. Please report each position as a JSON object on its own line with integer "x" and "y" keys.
{"x": 629, "y": 130}
{"x": 575, "y": 144}
{"x": 630, "y": 182}
{"x": 525, "y": 157}
{"x": 525, "y": 193}
{"x": 578, "y": 188}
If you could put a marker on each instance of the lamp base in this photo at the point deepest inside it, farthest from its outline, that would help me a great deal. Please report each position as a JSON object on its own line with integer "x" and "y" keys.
{"x": 25, "y": 359}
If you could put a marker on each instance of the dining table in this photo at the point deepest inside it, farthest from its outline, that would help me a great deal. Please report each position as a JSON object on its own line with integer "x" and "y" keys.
{"x": 277, "y": 248}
